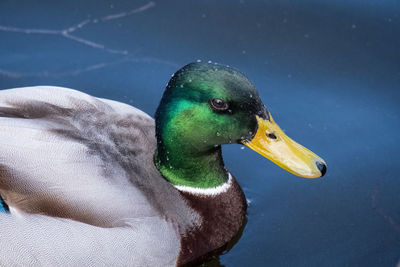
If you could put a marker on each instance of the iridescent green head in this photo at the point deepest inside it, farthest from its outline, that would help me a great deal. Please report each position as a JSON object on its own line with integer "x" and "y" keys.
{"x": 204, "y": 106}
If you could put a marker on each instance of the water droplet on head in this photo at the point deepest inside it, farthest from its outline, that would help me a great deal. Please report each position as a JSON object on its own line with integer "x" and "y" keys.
{"x": 199, "y": 60}
{"x": 242, "y": 147}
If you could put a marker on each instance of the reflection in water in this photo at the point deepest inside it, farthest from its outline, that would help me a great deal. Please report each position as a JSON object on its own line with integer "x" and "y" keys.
{"x": 388, "y": 218}
{"x": 213, "y": 262}
{"x": 214, "y": 259}
{"x": 68, "y": 34}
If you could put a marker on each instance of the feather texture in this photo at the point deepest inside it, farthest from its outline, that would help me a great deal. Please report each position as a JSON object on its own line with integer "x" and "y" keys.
{"x": 78, "y": 174}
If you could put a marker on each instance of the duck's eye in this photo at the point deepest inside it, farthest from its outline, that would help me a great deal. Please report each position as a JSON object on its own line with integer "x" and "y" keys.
{"x": 219, "y": 104}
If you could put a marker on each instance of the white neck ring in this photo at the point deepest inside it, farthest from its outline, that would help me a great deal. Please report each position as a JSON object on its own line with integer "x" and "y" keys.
{"x": 213, "y": 191}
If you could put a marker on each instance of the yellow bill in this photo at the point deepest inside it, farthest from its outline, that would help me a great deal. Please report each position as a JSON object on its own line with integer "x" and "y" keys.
{"x": 271, "y": 142}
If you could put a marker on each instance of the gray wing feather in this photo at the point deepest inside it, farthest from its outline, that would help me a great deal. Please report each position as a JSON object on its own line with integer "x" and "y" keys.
{"x": 64, "y": 153}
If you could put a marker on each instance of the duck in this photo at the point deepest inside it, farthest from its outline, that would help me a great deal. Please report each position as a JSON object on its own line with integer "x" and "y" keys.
{"x": 91, "y": 181}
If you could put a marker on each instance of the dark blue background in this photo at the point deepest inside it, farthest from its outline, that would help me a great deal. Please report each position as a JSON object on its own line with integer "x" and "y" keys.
{"x": 329, "y": 72}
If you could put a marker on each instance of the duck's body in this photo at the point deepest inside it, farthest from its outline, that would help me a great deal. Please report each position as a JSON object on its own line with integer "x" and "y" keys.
{"x": 90, "y": 181}
{"x": 85, "y": 162}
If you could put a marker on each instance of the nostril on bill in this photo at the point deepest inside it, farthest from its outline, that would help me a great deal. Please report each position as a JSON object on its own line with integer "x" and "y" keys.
{"x": 271, "y": 135}
{"x": 321, "y": 167}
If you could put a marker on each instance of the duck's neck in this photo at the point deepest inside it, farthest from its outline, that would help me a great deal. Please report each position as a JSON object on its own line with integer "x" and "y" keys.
{"x": 222, "y": 211}
{"x": 183, "y": 165}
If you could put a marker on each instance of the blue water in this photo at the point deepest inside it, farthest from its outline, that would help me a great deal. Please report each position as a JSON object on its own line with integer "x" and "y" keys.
{"x": 3, "y": 206}
{"x": 329, "y": 72}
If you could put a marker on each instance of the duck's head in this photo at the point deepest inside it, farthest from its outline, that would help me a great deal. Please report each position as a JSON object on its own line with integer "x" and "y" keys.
{"x": 206, "y": 105}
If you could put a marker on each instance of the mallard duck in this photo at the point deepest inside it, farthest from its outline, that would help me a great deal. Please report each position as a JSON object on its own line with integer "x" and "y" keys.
{"x": 91, "y": 181}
